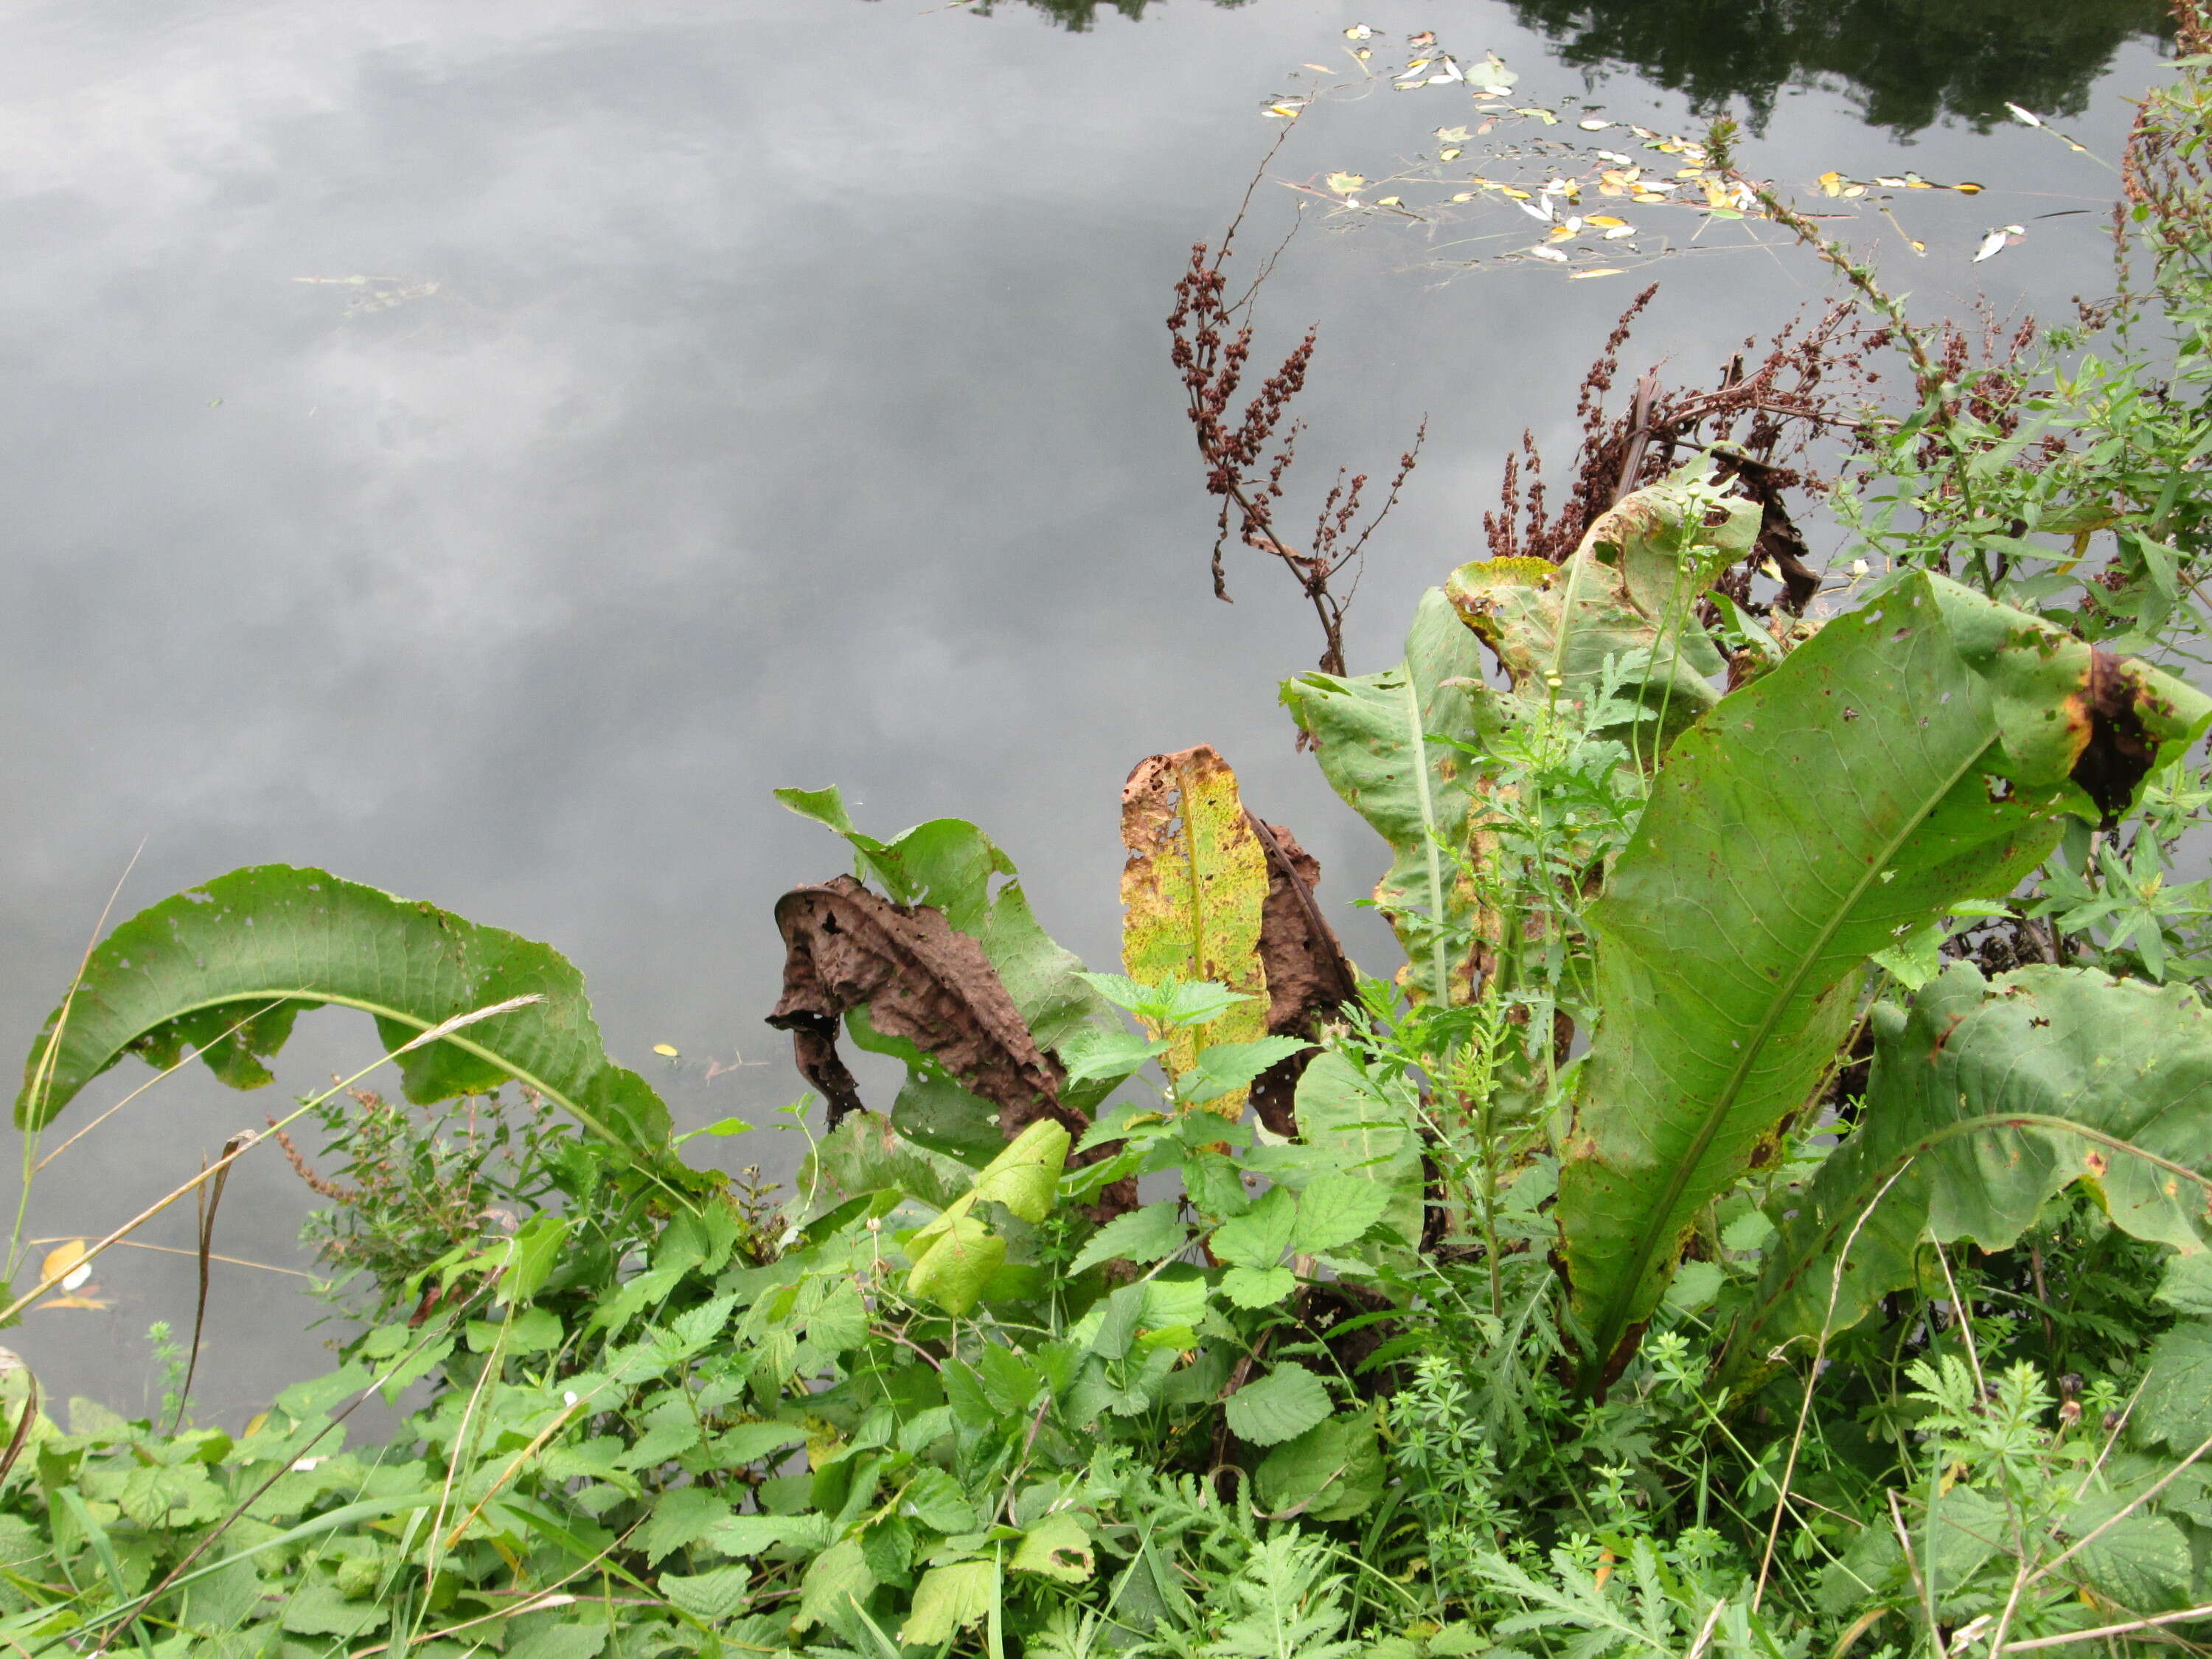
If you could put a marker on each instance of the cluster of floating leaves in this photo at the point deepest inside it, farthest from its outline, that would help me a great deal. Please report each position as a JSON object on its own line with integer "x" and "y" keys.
{"x": 1606, "y": 195}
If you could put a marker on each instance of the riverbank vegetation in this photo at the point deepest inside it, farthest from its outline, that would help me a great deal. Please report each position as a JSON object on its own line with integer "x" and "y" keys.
{"x": 1767, "y": 1214}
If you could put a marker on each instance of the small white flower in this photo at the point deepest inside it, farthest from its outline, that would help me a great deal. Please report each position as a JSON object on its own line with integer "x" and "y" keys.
{"x": 305, "y": 1464}
{"x": 1858, "y": 568}
{"x": 567, "y": 1396}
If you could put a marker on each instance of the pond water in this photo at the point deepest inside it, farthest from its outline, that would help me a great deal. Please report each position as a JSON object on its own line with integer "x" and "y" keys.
{"x": 483, "y": 450}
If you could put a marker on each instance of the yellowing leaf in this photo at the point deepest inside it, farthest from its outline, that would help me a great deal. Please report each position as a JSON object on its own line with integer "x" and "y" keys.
{"x": 1604, "y": 221}
{"x": 1832, "y": 182}
{"x": 1344, "y": 183}
{"x": 65, "y": 1263}
{"x": 1602, "y": 270}
{"x": 1389, "y": 201}
{"x": 1593, "y": 126}
{"x": 1448, "y": 155}
{"x": 1620, "y": 231}
{"x": 1192, "y": 891}
{"x": 1452, "y": 135}
{"x": 1551, "y": 254}
{"x": 666, "y": 1050}
{"x": 1359, "y": 32}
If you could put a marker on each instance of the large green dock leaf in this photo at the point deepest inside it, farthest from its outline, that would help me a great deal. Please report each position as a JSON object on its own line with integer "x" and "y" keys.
{"x": 226, "y": 968}
{"x": 1915, "y": 753}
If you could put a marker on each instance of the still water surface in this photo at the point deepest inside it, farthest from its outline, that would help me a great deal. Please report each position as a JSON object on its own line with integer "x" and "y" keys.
{"x": 483, "y": 450}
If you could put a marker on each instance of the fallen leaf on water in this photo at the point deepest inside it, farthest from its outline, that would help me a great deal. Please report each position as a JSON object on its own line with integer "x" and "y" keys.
{"x": 666, "y": 1050}
{"x": 1602, "y": 270}
{"x": 91, "y": 1303}
{"x": 1517, "y": 193}
{"x": 1998, "y": 241}
{"x": 1969, "y": 188}
{"x": 1452, "y": 154}
{"x": 65, "y": 1263}
{"x": 1344, "y": 183}
{"x": 1593, "y": 125}
{"x": 2027, "y": 118}
{"x": 1831, "y": 182}
{"x": 1452, "y": 135}
{"x": 1551, "y": 254}
{"x": 1423, "y": 40}
{"x": 1535, "y": 209}
{"x": 1287, "y": 111}
{"x": 1647, "y": 197}
{"x": 1464, "y": 196}
{"x": 1359, "y": 32}
{"x": 1389, "y": 201}
{"x": 1604, "y": 221}
{"x": 1618, "y": 232}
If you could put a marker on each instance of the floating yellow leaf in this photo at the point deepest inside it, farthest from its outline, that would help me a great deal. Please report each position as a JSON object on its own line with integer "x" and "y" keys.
{"x": 1464, "y": 196}
{"x": 66, "y": 1263}
{"x": 1423, "y": 40}
{"x": 1593, "y": 126}
{"x": 1602, "y": 270}
{"x": 1618, "y": 232}
{"x": 1389, "y": 201}
{"x": 1344, "y": 183}
{"x": 667, "y": 1051}
{"x": 1832, "y": 182}
{"x": 1284, "y": 109}
{"x": 1452, "y": 135}
{"x": 1647, "y": 197}
{"x": 1551, "y": 254}
{"x": 1359, "y": 32}
{"x": 90, "y": 1303}
{"x": 1448, "y": 155}
{"x": 1517, "y": 195}
{"x": 1604, "y": 221}
{"x": 1969, "y": 188}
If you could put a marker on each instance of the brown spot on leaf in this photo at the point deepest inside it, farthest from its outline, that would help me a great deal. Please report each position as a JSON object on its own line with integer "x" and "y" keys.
{"x": 2116, "y": 751}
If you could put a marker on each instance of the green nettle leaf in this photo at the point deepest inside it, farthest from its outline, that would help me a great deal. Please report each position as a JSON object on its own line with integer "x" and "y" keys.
{"x": 1225, "y": 1067}
{"x": 226, "y": 968}
{"x": 714, "y": 1596}
{"x": 1056, "y": 1547}
{"x": 947, "y": 1600}
{"x": 1279, "y": 1406}
{"x": 2176, "y": 1406}
{"x": 680, "y": 1519}
{"x": 1628, "y": 594}
{"x": 1332, "y": 1471}
{"x": 1984, "y": 1101}
{"x": 864, "y": 1154}
{"x": 1335, "y": 1209}
{"x": 1932, "y": 741}
{"x": 1151, "y": 1234}
{"x": 1370, "y": 734}
{"x": 836, "y": 1580}
{"x": 1259, "y": 1236}
{"x": 1258, "y": 1287}
{"x": 1366, "y": 1130}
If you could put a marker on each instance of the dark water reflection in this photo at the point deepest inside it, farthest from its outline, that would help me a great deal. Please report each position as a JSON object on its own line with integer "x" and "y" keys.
{"x": 692, "y": 398}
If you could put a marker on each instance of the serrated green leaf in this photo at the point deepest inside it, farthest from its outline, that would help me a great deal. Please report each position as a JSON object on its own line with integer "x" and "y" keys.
{"x": 1336, "y": 1210}
{"x": 713, "y": 1595}
{"x": 1279, "y": 1406}
{"x": 1365, "y": 1129}
{"x": 947, "y": 1600}
{"x": 1057, "y": 1547}
{"x": 1223, "y": 1069}
{"x": 1259, "y": 1236}
{"x": 1728, "y": 980}
{"x": 1332, "y": 1471}
{"x": 1258, "y": 1287}
{"x": 2176, "y": 1403}
{"x": 680, "y": 1518}
{"x": 1147, "y": 1235}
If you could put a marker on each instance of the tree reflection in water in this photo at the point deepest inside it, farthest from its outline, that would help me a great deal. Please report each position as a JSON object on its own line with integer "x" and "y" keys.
{"x": 1907, "y": 64}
